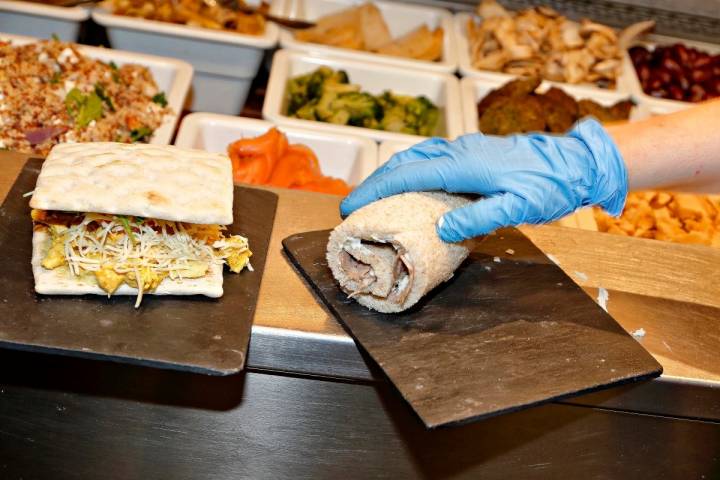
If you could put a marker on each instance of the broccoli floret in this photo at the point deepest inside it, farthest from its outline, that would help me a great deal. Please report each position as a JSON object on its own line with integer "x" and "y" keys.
{"x": 406, "y": 114}
{"x": 307, "y": 112}
{"x": 362, "y": 108}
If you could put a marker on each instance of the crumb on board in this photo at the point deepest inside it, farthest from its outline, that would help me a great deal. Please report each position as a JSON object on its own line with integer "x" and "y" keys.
{"x": 639, "y": 333}
{"x": 510, "y": 251}
{"x": 581, "y": 276}
{"x": 496, "y": 259}
{"x": 602, "y": 298}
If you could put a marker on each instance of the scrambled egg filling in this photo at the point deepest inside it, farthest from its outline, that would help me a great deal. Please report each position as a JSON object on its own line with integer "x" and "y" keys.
{"x": 138, "y": 252}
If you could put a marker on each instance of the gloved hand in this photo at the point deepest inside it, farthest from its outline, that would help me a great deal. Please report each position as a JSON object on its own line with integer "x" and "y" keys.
{"x": 532, "y": 178}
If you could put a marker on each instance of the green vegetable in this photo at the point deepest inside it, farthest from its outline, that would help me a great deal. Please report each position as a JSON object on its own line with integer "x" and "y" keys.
{"x": 55, "y": 78}
{"x": 126, "y": 226}
{"x": 114, "y": 73}
{"x": 141, "y": 134}
{"x": 83, "y": 108}
{"x": 100, "y": 92}
{"x": 55, "y": 37}
{"x": 328, "y": 96}
{"x": 160, "y": 99}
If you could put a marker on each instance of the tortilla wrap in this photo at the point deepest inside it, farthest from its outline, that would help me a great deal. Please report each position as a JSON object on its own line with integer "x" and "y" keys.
{"x": 387, "y": 255}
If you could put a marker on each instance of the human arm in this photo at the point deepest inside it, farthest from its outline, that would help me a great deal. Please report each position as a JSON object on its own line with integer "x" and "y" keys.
{"x": 679, "y": 151}
{"x": 537, "y": 178}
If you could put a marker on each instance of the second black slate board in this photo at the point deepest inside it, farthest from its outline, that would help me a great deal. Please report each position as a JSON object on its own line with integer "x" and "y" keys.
{"x": 181, "y": 332}
{"x": 509, "y": 331}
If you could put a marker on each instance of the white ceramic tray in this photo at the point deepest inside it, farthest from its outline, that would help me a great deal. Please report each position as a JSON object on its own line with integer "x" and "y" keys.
{"x": 171, "y": 76}
{"x": 225, "y": 62}
{"x": 440, "y": 88}
{"x": 401, "y": 18}
{"x": 388, "y": 149}
{"x": 660, "y": 105}
{"x": 474, "y": 89}
{"x": 466, "y": 69}
{"x": 341, "y": 156}
{"x": 42, "y": 21}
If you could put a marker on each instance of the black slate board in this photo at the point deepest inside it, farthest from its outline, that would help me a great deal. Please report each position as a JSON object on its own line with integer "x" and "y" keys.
{"x": 186, "y": 333}
{"x": 509, "y": 331}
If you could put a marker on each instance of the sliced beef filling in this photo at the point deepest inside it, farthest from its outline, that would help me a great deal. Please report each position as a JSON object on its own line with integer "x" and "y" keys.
{"x": 376, "y": 268}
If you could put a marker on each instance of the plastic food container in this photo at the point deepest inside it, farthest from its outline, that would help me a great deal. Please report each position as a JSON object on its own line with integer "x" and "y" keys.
{"x": 172, "y": 77}
{"x": 225, "y": 63}
{"x": 388, "y": 149}
{"x": 623, "y": 84}
{"x": 440, "y": 88}
{"x": 474, "y": 89}
{"x": 341, "y": 156}
{"x": 43, "y": 21}
{"x": 401, "y": 18}
{"x": 660, "y": 105}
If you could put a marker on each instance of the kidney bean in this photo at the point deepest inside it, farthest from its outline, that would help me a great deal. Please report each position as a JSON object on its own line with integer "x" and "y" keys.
{"x": 697, "y": 93}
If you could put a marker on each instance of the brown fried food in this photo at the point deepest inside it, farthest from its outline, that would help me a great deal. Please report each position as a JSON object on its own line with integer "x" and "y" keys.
{"x": 515, "y": 88}
{"x": 619, "y": 111}
{"x": 527, "y": 111}
{"x": 561, "y": 110}
{"x": 513, "y": 115}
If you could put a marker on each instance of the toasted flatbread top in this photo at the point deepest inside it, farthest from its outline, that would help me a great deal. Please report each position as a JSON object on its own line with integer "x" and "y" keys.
{"x": 153, "y": 181}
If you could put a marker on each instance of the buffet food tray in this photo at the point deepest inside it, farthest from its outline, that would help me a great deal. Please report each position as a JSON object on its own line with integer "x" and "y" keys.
{"x": 225, "y": 62}
{"x": 172, "y": 77}
{"x": 345, "y": 157}
{"x": 401, "y": 18}
{"x": 42, "y": 20}
{"x": 440, "y": 88}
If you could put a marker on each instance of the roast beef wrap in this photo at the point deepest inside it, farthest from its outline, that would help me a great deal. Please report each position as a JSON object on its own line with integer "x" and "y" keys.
{"x": 387, "y": 255}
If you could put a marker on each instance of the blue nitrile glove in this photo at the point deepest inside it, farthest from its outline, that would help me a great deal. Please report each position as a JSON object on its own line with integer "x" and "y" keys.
{"x": 532, "y": 178}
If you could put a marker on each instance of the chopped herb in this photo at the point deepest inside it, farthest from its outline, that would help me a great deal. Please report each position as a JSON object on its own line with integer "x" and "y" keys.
{"x": 160, "y": 99}
{"x": 141, "y": 134}
{"x": 55, "y": 37}
{"x": 100, "y": 92}
{"x": 126, "y": 226}
{"x": 55, "y": 78}
{"x": 115, "y": 74}
{"x": 84, "y": 108}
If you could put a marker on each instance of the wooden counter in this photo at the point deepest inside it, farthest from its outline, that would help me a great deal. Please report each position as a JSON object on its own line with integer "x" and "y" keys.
{"x": 671, "y": 291}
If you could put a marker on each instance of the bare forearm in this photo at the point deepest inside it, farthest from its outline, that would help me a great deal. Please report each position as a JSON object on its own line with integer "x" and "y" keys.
{"x": 678, "y": 151}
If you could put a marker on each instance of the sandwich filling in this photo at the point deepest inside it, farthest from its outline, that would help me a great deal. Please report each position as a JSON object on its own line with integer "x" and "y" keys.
{"x": 139, "y": 252}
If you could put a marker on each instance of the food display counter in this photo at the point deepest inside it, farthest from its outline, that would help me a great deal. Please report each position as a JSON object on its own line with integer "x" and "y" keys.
{"x": 310, "y": 404}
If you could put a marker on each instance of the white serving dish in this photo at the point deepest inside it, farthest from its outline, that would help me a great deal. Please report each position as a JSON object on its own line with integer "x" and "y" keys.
{"x": 467, "y": 70}
{"x": 388, "y": 149}
{"x": 401, "y": 18}
{"x": 42, "y": 21}
{"x": 474, "y": 89}
{"x": 660, "y": 105}
{"x": 225, "y": 63}
{"x": 345, "y": 157}
{"x": 171, "y": 76}
{"x": 440, "y": 88}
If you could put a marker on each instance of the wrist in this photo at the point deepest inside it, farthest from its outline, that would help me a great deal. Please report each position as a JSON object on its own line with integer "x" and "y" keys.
{"x": 610, "y": 185}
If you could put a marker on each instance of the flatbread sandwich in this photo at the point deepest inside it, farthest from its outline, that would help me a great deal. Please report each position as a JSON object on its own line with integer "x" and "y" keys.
{"x": 119, "y": 219}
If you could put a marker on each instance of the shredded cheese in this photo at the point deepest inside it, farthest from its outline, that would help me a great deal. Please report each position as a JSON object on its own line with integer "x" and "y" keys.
{"x": 156, "y": 246}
